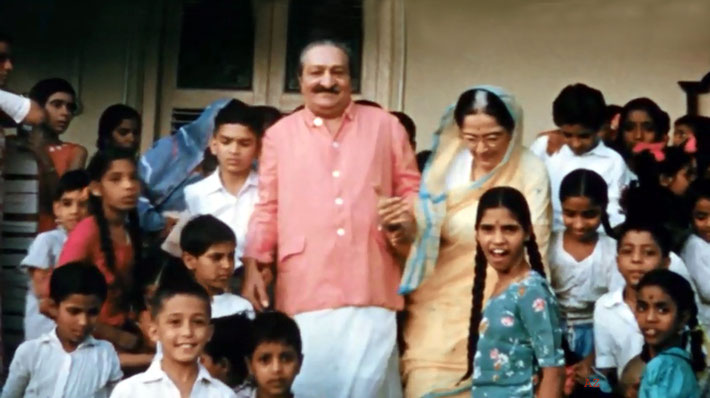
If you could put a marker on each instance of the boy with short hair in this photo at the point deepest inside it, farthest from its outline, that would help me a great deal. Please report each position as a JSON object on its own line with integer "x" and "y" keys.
{"x": 180, "y": 312}
{"x": 642, "y": 247}
{"x": 579, "y": 112}
{"x": 67, "y": 362}
{"x": 230, "y": 192}
{"x": 225, "y": 354}
{"x": 208, "y": 247}
{"x": 70, "y": 207}
{"x": 275, "y": 356}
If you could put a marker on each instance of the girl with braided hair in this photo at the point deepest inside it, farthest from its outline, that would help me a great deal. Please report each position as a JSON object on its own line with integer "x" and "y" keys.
{"x": 110, "y": 238}
{"x": 519, "y": 329}
{"x": 582, "y": 260}
{"x": 667, "y": 316}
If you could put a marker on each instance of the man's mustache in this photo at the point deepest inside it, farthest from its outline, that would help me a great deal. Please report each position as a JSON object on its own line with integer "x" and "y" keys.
{"x": 335, "y": 89}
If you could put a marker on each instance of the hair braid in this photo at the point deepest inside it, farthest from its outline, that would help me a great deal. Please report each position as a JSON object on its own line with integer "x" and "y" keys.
{"x": 607, "y": 225}
{"x": 97, "y": 210}
{"x": 479, "y": 285}
{"x": 534, "y": 255}
{"x": 697, "y": 360}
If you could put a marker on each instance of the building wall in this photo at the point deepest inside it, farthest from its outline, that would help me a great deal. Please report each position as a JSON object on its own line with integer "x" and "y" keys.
{"x": 97, "y": 46}
{"x": 110, "y": 51}
{"x": 534, "y": 48}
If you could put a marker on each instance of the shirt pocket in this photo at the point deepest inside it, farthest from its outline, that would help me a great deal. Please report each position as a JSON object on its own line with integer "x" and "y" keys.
{"x": 290, "y": 248}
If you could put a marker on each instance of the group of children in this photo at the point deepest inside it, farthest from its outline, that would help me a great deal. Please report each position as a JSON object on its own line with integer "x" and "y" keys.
{"x": 623, "y": 314}
{"x": 118, "y": 307}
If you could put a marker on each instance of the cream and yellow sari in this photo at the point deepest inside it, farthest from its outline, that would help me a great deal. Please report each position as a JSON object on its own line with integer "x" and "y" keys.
{"x": 438, "y": 276}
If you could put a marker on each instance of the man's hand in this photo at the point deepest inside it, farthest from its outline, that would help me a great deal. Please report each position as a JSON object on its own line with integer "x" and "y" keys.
{"x": 254, "y": 287}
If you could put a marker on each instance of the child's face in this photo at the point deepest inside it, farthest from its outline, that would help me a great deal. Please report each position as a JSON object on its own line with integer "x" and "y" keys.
{"x": 218, "y": 369}
{"x": 637, "y": 254}
{"x": 581, "y": 217}
{"x": 126, "y": 135}
{"x": 235, "y": 147}
{"x": 579, "y": 138}
{"x": 60, "y": 108}
{"x": 679, "y": 183}
{"x": 76, "y": 318}
{"x": 681, "y": 134}
{"x": 182, "y": 327}
{"x": 657, "y": 316}
{"x": 638, "y": 128}
{"x": 214, "y": 267}
{"x": 274, "y": 365}
{"x": 119, "y": 186}
{"x": 701, "y": 218}
{"x": 71, "y": 208}
{"x": 502, "y": 239}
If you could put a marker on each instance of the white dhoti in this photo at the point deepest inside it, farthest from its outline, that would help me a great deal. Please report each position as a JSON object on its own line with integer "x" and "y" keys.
{"x": 349, "y": 352}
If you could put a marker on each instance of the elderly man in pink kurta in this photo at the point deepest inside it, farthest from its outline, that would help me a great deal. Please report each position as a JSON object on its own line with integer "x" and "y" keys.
{"x": 324, "y": 171}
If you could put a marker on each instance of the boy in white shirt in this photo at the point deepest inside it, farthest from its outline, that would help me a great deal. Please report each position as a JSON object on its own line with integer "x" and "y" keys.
{"x": 230, "y": 192}
{"x": 617, "y": 338}
{"x": 579, "y": 112}
{"x": 180, "y": 311}
{"x": 67, "y": 362}
{"x": 208, "y": 247}
{"x": 70, "y": 207}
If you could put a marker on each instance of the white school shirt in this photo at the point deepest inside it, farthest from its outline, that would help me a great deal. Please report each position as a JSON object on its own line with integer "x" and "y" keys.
{"x": 578, "y": 284}
{"x": 601, "y": 159}
{"x": 696, "y": 254}
{"x": 155, "y": 383}
{"x": 209, "y": 196}
{"x": 15, "y": 106}
{"x": 617, "y": 337}
{"x": 43, "y": 253}
{"x": 42, "y": 369}
{"x": 226, "y": 304}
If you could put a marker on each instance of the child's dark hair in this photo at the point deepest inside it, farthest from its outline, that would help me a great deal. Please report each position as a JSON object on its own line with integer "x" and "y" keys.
{"x": 682, "y": 295}
{"x": 176, "y": 280}
{"x": 588, "y": 184}
{"x": 699, "y": 189}
{"x": 468, "y": 104}
{"x": 98, "y": 166}
{"x": 267, "y": 115}
{"x": 511, "y": 199}
{"x": 580, "y": 104}
{"x": 275, "y": 326}
{"x": 44, "y": 89}
{"x": 112, "y": 118}
{"x": 70, "y": 181}
{"x": 77, "y": 278}
{"x": 237, "y": 112}
{"x": 200, "y": 233}
{"x": 408, "y": 125}
{"x": 659, "y": 233}
{"x": 230, "y": 341}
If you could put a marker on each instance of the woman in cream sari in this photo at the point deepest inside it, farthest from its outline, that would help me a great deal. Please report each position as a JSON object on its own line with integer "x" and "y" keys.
{"x": 477, "y": 147}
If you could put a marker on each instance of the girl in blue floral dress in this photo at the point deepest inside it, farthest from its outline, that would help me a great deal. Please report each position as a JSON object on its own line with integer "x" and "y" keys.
{"x": 519, "y": 331}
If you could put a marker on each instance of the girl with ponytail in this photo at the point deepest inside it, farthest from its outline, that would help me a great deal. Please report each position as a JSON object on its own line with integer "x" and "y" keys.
{"x": 667, "y": 316}
{"x": 519, "y": 329}
{"x": 582, "y": 260}
{"x": 110, "y": 238}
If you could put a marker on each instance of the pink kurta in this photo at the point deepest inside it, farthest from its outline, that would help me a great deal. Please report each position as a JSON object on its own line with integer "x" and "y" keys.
{"x": 317, "y": 204}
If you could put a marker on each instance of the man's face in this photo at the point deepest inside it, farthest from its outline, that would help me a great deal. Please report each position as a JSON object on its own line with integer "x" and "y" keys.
{"x": 5, "y": 62}
{"x": 325, "y": 81}
{"x": 60, "y": 109}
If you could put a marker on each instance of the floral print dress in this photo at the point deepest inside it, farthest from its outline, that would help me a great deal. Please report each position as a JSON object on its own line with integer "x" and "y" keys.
{"x": 519, "y": 333}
